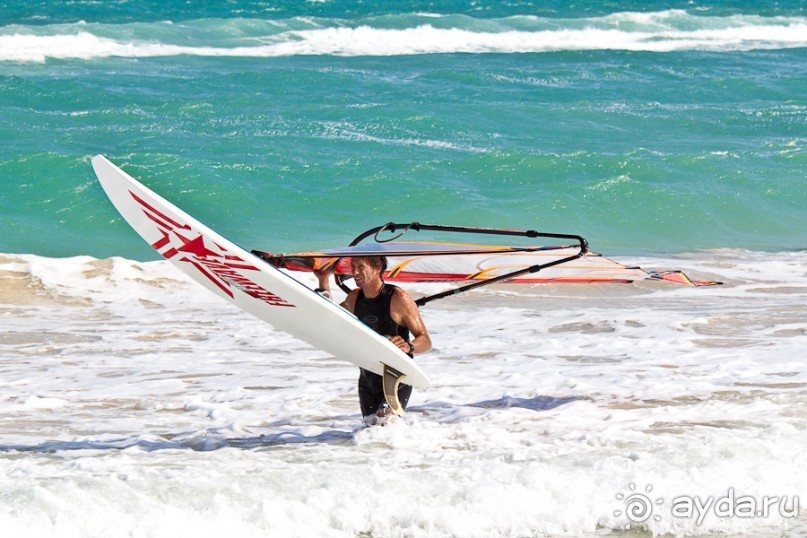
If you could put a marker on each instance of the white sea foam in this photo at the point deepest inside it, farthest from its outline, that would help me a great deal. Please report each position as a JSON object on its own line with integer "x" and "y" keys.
{"x": 134, "y": 402}
{"x": 656, "y": 32}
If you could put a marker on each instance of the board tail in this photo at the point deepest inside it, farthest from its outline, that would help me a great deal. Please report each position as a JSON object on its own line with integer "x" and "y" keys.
{"x": 391, "y": 381}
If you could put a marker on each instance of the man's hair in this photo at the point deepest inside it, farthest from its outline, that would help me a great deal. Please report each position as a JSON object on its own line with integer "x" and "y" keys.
{"x": 377, "y": 262}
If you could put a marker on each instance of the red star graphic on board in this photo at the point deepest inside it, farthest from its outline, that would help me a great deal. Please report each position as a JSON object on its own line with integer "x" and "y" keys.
{"x": 196, "y": 247}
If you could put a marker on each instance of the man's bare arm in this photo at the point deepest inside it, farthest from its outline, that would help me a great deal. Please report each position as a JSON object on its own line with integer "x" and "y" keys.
{"x": 405, "y": 312}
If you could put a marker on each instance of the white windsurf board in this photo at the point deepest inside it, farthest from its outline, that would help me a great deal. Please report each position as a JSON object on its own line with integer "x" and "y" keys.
{"x": 248, "y": 282}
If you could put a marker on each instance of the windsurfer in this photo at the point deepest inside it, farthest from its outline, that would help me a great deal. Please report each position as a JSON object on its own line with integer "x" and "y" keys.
{"x": 392, "y": 313}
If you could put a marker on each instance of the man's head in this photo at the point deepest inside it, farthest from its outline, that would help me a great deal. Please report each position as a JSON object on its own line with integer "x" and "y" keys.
{"x": 367, "y": 268}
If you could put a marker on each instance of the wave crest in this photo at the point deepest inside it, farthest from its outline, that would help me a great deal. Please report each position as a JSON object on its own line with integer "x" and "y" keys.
{"x": 666, "y": 31}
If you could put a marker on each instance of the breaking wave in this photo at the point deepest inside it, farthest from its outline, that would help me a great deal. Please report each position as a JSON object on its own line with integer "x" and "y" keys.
{"x": 399, "y": 35}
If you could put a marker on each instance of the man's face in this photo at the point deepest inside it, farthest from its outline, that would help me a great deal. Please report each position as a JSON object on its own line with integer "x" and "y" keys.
{"x": 362, "y": 271}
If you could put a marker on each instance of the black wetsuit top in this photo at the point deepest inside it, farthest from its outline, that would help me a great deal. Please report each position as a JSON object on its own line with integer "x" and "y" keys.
{"x": 375, "y": 313}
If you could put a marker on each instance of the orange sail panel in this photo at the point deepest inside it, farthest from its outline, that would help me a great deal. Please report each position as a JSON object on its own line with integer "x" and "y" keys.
{"x": 456, "y": 262}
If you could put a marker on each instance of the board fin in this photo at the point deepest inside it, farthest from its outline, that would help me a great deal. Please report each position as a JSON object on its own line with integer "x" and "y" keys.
{"x": 391, "y": 380}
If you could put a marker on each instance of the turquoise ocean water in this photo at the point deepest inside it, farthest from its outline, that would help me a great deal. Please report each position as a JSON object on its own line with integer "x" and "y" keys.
{"x": 647, "y": 127}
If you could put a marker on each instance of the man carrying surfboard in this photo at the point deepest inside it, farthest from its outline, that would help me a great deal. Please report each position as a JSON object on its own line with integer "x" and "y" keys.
{"x": 242, "y": 279}
{"x": 392, "y": 313}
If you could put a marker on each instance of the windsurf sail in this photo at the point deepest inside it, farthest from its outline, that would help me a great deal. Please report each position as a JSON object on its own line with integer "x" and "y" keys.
{"x": 474, "y": 265}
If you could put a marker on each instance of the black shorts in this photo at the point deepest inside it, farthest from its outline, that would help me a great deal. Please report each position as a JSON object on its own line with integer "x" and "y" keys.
{"x": 371, "y": 393}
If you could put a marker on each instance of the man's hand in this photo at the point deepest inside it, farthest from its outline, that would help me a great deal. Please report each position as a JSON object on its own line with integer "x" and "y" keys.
{"x": 401, "y": 344}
